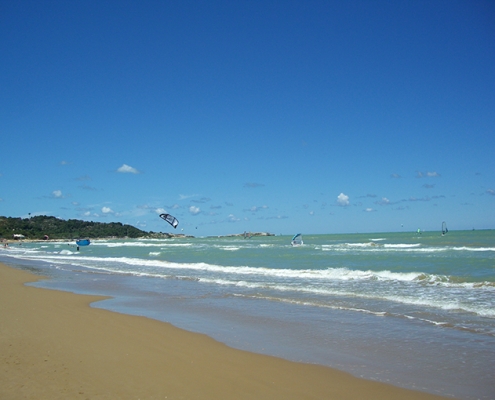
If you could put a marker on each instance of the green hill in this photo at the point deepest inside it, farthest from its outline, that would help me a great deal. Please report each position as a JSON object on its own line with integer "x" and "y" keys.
{"x": 39, "y": 226}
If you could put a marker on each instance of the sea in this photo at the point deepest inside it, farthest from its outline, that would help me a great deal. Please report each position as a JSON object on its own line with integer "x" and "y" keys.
{"x": 416, "y": 310}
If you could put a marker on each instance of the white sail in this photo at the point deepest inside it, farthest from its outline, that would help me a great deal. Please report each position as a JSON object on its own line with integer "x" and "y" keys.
{"x": 297, "y": 240}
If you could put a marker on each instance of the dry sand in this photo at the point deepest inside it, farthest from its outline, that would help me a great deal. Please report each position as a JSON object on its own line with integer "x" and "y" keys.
{"x": 53, "y": 345}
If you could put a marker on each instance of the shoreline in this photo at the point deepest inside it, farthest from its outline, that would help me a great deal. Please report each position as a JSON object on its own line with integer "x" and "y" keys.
{"x": 54, "y": 345}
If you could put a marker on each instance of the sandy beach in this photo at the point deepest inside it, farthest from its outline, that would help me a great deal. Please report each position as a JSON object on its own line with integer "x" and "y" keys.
{"x": 53, "y": 345}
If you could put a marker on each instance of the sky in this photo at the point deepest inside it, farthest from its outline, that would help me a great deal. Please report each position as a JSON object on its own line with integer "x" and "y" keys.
{"x": 263, "y": 116}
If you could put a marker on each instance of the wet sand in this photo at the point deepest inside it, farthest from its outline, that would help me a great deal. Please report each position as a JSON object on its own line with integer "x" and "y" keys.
{"x": 53, "y": 345}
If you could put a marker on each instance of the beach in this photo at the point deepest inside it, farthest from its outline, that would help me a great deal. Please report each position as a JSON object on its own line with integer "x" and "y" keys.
{"x": 53, "y": 345}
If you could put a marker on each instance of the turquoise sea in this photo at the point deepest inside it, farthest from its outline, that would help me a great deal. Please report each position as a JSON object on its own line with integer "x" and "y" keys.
{"x": 414, "y": 310}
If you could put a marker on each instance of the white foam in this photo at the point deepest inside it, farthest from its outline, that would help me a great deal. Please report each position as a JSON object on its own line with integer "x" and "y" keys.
{"x": 401, "y": 246}
{"x": 65, "y": 252}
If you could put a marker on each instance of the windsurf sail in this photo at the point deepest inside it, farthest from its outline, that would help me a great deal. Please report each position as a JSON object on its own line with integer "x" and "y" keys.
{"x": 83, "y": 242}
{"x": 170, "y": 219}
{"x": 444, "y": 228}
{"x": 297, "y": 240}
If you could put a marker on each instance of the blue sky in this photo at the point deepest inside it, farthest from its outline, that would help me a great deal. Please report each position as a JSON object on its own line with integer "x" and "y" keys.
{"x": 274, "y": 116}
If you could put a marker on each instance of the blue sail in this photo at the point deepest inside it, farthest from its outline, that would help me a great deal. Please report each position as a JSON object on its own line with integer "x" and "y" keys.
{"x": 83, "y": 242}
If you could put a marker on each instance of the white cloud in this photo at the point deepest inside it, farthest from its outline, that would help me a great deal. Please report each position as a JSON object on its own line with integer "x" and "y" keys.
{"x": 256, "y": 208}
{"x": 369, "y": 210}
{"x": 194, "y": 210}
{"x": 343, "y": 199}
{"x": 232, "y": 218}
{"x": 126, "y": 169}
{"x": 88, "y": 214}
{"x": 106, "y": 210}
{"x": 279, "y": 217}
{"x": 383, "y": 202}
{"x": 432, "y": 174}
{"x": 57, "y": 194}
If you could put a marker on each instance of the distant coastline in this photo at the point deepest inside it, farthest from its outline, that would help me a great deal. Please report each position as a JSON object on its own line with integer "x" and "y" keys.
{"x": 47, "y": 228}
{"x": 248, "y": 235}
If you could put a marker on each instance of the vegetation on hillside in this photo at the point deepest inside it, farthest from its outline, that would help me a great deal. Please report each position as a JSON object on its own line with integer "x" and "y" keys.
{"x": 54, "y": 228}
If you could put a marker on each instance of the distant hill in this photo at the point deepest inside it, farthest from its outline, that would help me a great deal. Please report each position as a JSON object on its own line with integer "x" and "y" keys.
{"x": 39, "y": 226}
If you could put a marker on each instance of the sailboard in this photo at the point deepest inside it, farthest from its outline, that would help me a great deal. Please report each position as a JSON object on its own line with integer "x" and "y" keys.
{"x": 297, "y": 240}
{"x": 83, "y": 242}
{"x": 444, "y": 228}
{"x": 170, "y": 219}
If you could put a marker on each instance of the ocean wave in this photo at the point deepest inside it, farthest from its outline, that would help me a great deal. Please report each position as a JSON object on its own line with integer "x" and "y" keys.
{"x": 407, "y": 298}
{"x": 229, "y": 248}
{"x": 373, "y": 246}
{"x": 398, "y": 247}
{"x": 465, "y": 248}
{"x": 401, "y": 245}
{"x": 139, "y": 244}
{"x": 377, "y": 313}
{"x": 327, "y": 274}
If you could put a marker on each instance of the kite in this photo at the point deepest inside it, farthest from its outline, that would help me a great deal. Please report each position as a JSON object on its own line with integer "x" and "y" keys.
{"x": 170, "y": 219}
